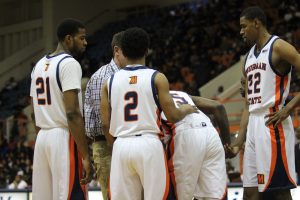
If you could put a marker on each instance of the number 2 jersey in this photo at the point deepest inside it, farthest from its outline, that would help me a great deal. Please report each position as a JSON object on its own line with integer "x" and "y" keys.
{"x": 266, "y": 88}
{"x": 51, "y": 76}
{"x": 134, "y": 103}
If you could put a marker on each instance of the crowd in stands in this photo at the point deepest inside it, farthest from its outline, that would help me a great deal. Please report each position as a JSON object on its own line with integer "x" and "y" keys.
{"x": 15, "y": 157}
{"x": 191, "y": 43}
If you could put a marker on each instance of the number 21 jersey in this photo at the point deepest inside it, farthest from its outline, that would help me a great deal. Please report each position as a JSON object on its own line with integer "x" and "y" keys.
{"x": 266, "y": 87}
{"x": 51, "y": 76}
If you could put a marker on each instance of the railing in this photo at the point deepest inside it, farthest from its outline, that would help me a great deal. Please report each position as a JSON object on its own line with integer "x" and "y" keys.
{"x": 235, "y": 192}
{"x": 15, "y": 37}
{"x": 18, "y": 11}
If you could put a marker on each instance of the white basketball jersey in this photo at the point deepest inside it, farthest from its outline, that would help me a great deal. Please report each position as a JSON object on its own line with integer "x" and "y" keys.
{"x": 266, "y": 88}
{"x": 52, "y": 76}
{"x": 134, "y": 102}
{"x": 194, "y": 119}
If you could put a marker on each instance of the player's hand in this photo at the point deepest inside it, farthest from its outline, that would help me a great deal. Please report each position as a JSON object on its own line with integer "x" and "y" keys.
{"x": 231, "y": 151}
{"x": 189, "y": 108}
{"x": 277, "y": 117}
{"x": 242, "y": 88}
{"x": 88, "y": 171}
{"x": 109, "y": 139}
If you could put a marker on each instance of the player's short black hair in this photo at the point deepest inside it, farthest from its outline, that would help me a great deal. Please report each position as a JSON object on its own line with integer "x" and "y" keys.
{"x": 68, "y": 27}
{"x": 135, "y": 43}
{"x": 116, "y": 40}
{"x": 255, "y": 12}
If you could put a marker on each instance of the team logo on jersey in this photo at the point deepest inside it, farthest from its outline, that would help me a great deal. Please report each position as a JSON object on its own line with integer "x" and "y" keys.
{"x": 47, "y": 66}
{"x": 260, "y": 178}
{"x": 132, "y": 79}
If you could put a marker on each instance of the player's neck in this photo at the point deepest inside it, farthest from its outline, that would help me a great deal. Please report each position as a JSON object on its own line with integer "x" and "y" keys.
{"x": 140, "y": 61}
{"x": 60, "y": 49}
{"x": 262, "y": 40}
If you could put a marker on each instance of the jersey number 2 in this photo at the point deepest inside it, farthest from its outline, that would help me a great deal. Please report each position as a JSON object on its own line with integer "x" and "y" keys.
{"x": 42, "y": 86}
{"x": 132, "y": 97}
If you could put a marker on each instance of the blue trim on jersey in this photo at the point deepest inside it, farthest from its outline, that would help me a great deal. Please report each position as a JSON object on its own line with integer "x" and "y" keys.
{"x": 280, "y": 179}
{"x": 135, "y": 68}
{"x": 110, "y": 86}
{"x": 154, "y": 92}
{"x": 257, "y": 54}
{"x": 271, "y": 64}
{"x": 281, "y": 89}
{"x": 48, "y": 55}
{"x": 57, "y": 72}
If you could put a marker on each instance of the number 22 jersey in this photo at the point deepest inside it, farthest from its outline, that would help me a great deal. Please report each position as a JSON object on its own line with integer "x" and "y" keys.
{"x": 51, "y": 76}
{"x": 266, "y": 87}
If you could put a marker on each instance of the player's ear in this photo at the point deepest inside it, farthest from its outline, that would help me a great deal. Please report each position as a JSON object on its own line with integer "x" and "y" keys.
{"x": 256, "y": 23}
{"x": 68, "y": 39}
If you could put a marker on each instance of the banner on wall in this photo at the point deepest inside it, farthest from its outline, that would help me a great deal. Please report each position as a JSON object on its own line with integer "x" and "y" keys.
{"x": 234, "y": 193}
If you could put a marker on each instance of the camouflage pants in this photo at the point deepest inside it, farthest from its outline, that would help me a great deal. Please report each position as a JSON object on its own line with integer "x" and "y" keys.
{"x": 102, "y": 160}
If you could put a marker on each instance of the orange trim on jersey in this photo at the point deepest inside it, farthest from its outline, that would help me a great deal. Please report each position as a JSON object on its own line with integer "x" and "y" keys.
{"x": 167, "y": 178}
{"x": 283, "y": 152}
{"x": 277, "y": 91}
{"x": 286, "y": 80}
{"x": 158, "y": 122}
{"x": 274, "y": 149}
{"x": 72, "y": 165}
{"x": 171, "y": 165}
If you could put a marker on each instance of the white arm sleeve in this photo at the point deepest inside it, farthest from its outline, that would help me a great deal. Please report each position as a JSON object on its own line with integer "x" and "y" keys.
{"x": 70, "y": 75}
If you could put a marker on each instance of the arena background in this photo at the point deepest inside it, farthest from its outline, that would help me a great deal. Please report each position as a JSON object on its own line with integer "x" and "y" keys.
{"x": 27, "y": 31}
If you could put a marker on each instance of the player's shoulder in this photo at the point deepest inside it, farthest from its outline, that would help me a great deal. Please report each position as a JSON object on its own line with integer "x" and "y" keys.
{"x": 66, "y": 58}
{"x": 280, "y": 43}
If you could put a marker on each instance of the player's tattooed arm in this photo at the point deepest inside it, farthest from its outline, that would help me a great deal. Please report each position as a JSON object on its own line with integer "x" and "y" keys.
{"x": 76, "y": 126}
{"x": 215, "y": 108}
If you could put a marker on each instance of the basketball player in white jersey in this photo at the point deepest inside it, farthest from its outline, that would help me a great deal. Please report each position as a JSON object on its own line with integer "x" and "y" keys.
{"x": 195, "y": 151}
{"x": 269, "y": 168}
{"x": 130, "y": 105}
{"x": 61, "y": 151}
